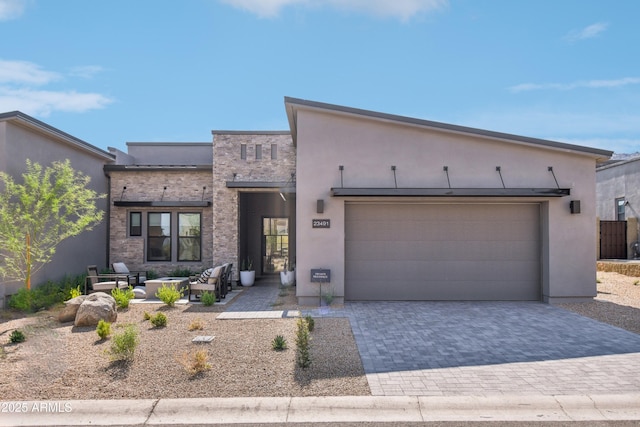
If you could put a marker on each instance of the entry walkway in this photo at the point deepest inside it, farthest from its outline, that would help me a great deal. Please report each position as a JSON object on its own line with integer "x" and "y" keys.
{"x": 476, "y": 348}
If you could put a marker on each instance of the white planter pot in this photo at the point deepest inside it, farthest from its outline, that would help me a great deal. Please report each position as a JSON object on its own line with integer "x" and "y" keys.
{"x": 287, "y": 278}
{"x": 247, "y": 278}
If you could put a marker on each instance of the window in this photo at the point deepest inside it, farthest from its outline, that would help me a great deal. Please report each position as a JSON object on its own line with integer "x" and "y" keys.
{"x": 274, "y": 151}
{"x": 189, "y": 241}
{"x": 258, "y": 151}
{"x": 135, "y": 223}
{"x": 243, "y": 151}
{"x": 159, "y": 236}
{"x": 620, "y": 205}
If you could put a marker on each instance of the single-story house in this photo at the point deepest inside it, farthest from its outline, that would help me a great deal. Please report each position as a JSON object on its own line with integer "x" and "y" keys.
{"x": 366, "y": 205}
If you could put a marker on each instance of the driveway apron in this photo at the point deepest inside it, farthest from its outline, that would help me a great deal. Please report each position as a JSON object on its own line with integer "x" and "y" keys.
{"x": 488, "y": 348}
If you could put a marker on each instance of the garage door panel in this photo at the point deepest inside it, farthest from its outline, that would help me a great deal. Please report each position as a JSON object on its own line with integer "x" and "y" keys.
{"x": 442, "y": 252}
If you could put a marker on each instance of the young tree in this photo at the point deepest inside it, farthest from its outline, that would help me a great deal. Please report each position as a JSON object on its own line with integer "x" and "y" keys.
{"x": 50, "y": 206}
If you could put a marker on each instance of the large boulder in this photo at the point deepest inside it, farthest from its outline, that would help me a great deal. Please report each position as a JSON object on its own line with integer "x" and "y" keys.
{"x": 97, "y": 306}
{"x": 68, "y": 313}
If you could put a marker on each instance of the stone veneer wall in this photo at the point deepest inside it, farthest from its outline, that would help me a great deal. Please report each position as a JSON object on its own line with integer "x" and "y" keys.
{"x": 628, "y": 268}
{"x": 226, "y": 162}
{"x": 183, "y": 184}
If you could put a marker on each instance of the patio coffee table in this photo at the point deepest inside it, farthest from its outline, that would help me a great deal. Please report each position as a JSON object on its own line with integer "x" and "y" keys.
{"x": 152, "y": 286}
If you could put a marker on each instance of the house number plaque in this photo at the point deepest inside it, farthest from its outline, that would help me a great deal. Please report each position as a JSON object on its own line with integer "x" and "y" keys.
{"x": 321, "y": 223}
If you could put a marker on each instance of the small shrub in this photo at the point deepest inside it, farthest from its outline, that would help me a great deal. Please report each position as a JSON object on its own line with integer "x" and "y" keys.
{"x": 21, "y": 300}
{"x": 303, "y": 345}
{"x": 17, "y": 336}
{"x": 327, "y": 297}
{"x": 103, "y": 329}
{"x": 207, "y": 298}
{"x": 159, "y": 320}
{"x": 123, "y": 296}
{"x": 636, "y": 283}
{"x": 152, "y": 274}
{"x": 196, "y": 324}
{"x": 147, "y": 316}
{"x": 169, "y": 294}
{"x": 123, "y": 344}
{"x": 181, "y": 272}
{"x": 195, "y": 362}
{"x": 75, "y": 292}
{"x": 310, "y": 322}
{"x": 279, "y": 343}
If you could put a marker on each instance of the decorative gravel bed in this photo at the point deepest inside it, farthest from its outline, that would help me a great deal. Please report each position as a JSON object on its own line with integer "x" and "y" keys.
{"x": 59, "y": 361}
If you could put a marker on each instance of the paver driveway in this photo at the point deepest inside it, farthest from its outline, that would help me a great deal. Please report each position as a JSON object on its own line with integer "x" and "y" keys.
{"x": 488, "y": 348}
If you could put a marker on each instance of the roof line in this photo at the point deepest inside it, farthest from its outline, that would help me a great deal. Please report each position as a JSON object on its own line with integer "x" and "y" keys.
{"x": 250, "y": 132}
{"x": 34, "y": 123}
{"x": 290, "y": 102}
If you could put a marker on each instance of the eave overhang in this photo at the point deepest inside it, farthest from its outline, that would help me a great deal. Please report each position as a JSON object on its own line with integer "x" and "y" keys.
{"x": 282, "y": 186}
{"x": 161, "y": 204}
{"x": 449, "y": 192}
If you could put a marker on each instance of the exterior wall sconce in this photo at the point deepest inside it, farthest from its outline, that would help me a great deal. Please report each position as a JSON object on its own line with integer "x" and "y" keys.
{"x": 574, "y": 206}
{"x": 320, "y": 206}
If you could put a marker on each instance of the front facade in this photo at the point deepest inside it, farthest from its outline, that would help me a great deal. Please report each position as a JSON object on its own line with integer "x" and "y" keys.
{"x": 366, "y": 206}
{"x": 419, "y": 210}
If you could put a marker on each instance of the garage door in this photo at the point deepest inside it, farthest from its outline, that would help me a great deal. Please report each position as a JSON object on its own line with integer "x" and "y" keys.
{"x": 442, "y": 252}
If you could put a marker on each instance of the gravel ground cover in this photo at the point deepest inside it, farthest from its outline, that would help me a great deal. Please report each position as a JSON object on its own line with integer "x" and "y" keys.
{"x": 59, "y": 361}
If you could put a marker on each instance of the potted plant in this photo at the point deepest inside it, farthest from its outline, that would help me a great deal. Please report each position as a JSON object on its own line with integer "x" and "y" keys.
{"x": 288, "y": 276}
{"x": 247, "y": 274}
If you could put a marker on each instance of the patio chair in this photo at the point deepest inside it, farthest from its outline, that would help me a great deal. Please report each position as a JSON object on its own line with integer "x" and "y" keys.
{"x": 136, "y": 278}
{"x": 104, "y": 282}
{"x": 229, "y": 277}
{"x": 212, "y": 282}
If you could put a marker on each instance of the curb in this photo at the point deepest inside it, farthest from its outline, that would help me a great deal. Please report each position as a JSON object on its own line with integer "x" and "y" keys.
{"x": 336, "y": 409}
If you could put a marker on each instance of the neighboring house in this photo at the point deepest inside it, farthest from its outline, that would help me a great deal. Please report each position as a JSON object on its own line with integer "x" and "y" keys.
{"x": 366, "y": 205}
{"x": 22, "y": 137}
{"x": 618, "y": 207}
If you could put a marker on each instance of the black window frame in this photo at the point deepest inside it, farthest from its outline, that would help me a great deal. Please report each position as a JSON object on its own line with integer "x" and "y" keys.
{"x": 620, "y": 209}
{"x": 157, "y": 238}
{"x": 135, "y": 231}
{"x": 197, "y": 238}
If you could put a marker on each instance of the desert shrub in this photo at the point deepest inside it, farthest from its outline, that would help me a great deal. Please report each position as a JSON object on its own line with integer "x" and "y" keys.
{"x": 75, "y": 292}
{"x": 103, "y": 329}
{"x": 17, "y": 336}
{"x": 196, "y": 362}
{"x": 147, "y": 316}
{"x": 123, "y": 296}
{"x": 196, "y": 324}
{"x": 303, "y": 344}
{"x": 169, "y": 294}
{"x": 311, "y": 323}
{"x": 181, "y": 272}
{"x": 123, "y": 344}
{"x": 45, "y": 295}
{"x": 279, "y": 343}
{"x": 152, "y": 274}
{"x": 208, "y": 298}
{"x": 159, "y": 320}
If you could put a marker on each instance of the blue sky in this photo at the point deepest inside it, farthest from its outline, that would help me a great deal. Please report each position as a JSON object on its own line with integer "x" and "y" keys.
{"x": 114, "y": 71}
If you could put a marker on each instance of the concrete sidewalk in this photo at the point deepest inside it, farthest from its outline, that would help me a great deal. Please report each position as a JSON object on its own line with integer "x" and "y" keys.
{"x": 336, "y": 409}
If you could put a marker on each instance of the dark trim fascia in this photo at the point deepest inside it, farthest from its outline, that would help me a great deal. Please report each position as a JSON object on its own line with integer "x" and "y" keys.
{"x": 250, "y": 132}
{"x": 282, "y": 185}
{"x": 157, "y": 168}
{"x": 161, "y": 204}
{"x": 450, "y": 192}
{"x": 290, "y": 104}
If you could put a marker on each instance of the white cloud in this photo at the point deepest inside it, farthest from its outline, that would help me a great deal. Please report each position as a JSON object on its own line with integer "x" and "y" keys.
{"x": 400, "y": 9}
{"x": 43, "y": 102}
{"x": 593, "y": 84}
{"x": 11, "y": 9}
{"x": 588, "y": 32}
{"x": 86, "y": 71}
{"x": 23, "y": 72}
{"x": 19, "y": 83}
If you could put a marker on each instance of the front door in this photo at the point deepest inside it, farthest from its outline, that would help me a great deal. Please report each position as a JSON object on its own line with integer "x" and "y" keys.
{"x": 275, "y": 244}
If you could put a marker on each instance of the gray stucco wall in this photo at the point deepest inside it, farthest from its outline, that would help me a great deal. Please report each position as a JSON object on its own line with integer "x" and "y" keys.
{"x": 616, "y": 181}
{"x": 367, "y": 148}
{"x": 19, "y": 142}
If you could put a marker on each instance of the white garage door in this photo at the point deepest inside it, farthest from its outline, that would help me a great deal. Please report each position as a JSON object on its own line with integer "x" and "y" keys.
{"x": 442, "y": 252}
